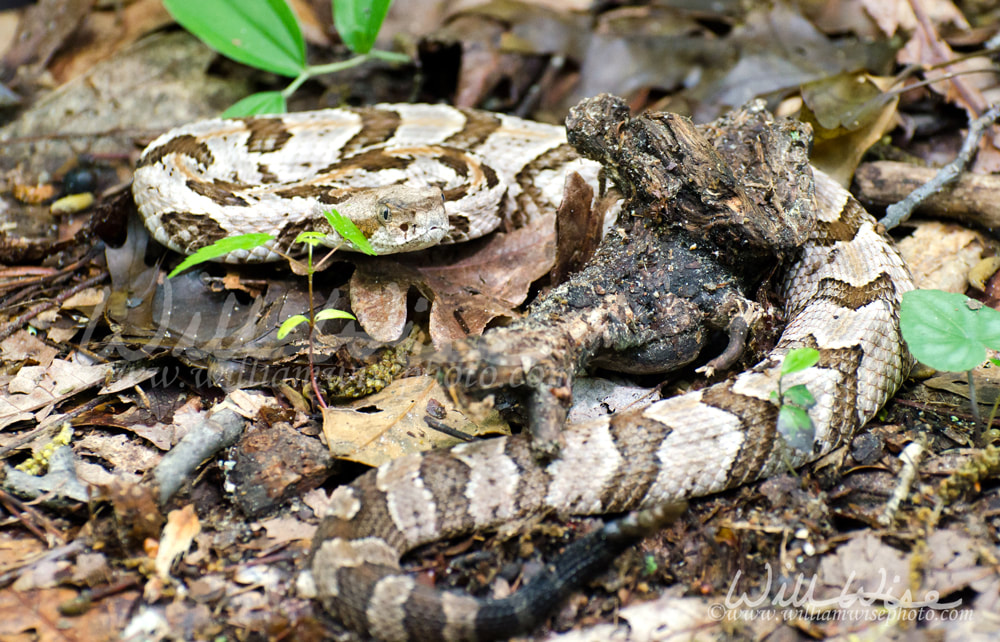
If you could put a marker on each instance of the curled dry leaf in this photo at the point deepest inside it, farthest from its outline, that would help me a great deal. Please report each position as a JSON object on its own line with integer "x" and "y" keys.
{"x": 849, "y": 113}
{"x": 578, "y": 228}
{"x": 182, "y": 526}
{"x": 467, "y": 287}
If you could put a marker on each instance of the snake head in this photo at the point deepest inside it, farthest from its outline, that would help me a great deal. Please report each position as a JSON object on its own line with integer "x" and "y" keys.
{"x": 398, "y": 218}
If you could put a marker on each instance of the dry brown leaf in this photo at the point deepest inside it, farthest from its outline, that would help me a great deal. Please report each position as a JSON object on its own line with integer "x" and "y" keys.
{"x": 85, "y": 300}
{"x": 940, "y": 255}
{"x": 105, "y": 33}
{"x": 287, "y": 529}
{"x": 895, "y": 15}
{"x": 379, "y": 304}
{"x": 953, "y": 563}
{"x": 867, "y": 566}
{"x": 45, "y": 386}
{"x": 137, "y": 514}
{"x": 779, "y": 51}
{"x": 92, "y": 569}
{"x": 391, "y": 423}
{"x": 485, "y": 281}
{"x": 578, "y": 228}
{"x": 17, "y": 551}
{"x": 33, "y": 615}
{"x": 927, "y": 48}
{"x": 890, "y": 15}
{"x": 182, "y": 526}
{"x": 849, "y": 113}
{"x": 43, "y": 29}
{"x": 22, "y": 346}
{"x": 157, "y": 83}
{"x": 121, "y": 453}
{"x": 504, "y": 43}
{"x": 312, "y": 24}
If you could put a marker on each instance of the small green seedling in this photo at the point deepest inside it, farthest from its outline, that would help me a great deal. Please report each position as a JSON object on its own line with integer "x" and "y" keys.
{"x": 344, "y": 226}
{"x": 951, "y": 332}
{"x": 347, "y": 230}
{"x": 311, "y": 240}
{"x": 265, "y": 34}
{"x": 794, "y": 424}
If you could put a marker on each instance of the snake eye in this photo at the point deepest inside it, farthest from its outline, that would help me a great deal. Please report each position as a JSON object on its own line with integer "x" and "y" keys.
{"x": 384, "y": 213}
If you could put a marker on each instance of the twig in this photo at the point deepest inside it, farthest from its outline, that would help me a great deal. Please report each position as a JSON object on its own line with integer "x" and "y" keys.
{"x": 218, "y": 431}
{"x": 24, "y": 276}
{"x": 444, "y": 428}
{"x": 22, "y": 512}
{"x": 17, "y": 323}
{"x": 901, "y": 211}
{"x": 11, "y": 573}
{"x": 981, "y": 427}
{"x": 910, "y": 457}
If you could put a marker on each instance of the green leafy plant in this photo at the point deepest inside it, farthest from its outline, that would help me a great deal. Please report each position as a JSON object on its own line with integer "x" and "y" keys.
{"x": 951, "y": 332}
{"x": 312, "y": 239}
{"x": 794, "y": 424}
{"x": 265, "y": 34}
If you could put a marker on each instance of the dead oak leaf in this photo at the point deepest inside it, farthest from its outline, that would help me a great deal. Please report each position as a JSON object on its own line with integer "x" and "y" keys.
{"x": 391, "y": 423}
{"x": 287, "y": 529}
{"x": 467, "y": 287}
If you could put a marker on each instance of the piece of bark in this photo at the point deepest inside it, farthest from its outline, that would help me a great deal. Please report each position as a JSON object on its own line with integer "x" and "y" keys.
{"x": 973, "y": 198}
{"x": 273, "y": 464}
{"x": 692, "y": 241}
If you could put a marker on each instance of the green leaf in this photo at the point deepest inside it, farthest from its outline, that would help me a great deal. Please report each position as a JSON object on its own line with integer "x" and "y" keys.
{"x": 799, "y": 359}
{"x": 796, "y": 427}
{"x": 291, "y": 323}
{"x": 331, "y": 313}
{"x": 264, "y": 102}
{"x": 347, "y": 229}
{"x": 948, "y": 331}
{"x": 358, "y": 22}
{"x": 260, "y": 33}
{"x": 649, "y": 564}
{"x": 310, "y": 238}
{"x": 800, "y": 396}
{"x": 221, "y": 247}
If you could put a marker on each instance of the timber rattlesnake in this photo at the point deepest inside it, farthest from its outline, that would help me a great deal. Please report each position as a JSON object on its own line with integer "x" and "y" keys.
{"x": 387, "y": 168}
{"x": 843, "y": 295}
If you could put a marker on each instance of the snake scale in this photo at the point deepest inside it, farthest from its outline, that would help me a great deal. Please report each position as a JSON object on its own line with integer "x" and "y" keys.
{"x": 412, "y": 176}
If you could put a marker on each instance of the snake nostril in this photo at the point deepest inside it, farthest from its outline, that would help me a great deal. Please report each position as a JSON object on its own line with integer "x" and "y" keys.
{"x": 403, "y": 227}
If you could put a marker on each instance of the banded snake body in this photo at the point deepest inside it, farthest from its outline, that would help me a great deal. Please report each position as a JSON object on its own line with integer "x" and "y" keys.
{"x": 388, "y": 168}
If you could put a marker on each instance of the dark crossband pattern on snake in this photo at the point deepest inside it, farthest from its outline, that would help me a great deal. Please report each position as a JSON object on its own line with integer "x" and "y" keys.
{"x": 413, "y": 176}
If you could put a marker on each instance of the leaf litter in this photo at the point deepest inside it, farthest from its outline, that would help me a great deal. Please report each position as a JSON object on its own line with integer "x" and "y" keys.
{"x": 539, "y": 60}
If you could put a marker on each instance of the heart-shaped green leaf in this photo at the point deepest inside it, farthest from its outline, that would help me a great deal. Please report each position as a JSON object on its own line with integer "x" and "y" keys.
{"x": 948, "y": 331}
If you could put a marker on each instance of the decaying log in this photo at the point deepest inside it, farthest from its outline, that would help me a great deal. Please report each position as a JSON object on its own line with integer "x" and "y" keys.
{"x": 972, "y": 198}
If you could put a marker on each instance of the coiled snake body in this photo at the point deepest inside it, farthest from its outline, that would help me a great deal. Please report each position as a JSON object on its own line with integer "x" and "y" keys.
{"x": 409, "y": 176}
{"x": 843, "y": 295}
